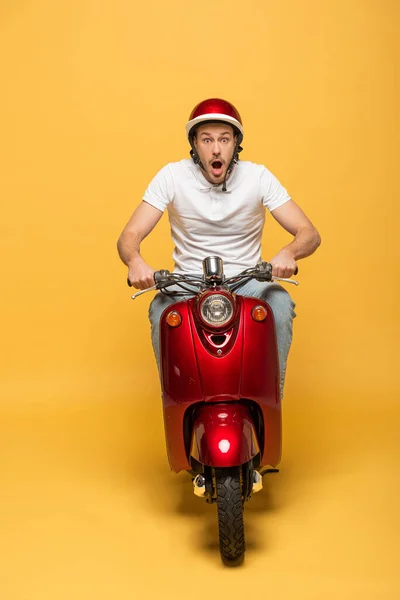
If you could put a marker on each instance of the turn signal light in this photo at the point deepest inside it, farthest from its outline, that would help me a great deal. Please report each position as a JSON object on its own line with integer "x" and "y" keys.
{"x": 259, "y": 313}
{"x": 174, "y": 319}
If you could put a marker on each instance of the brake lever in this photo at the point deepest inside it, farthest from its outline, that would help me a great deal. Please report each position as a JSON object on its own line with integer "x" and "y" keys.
{"x": 159, "y": 277}
{"x": 285, "y": 280}
{"x": 154, "y": 287}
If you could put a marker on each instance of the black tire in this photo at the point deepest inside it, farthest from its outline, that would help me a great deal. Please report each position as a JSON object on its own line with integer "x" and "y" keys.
{"x": 230, "y": 515}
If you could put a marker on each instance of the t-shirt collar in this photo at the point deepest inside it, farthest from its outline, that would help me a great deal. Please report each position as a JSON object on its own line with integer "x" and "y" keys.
{"x": 206, "y": 185}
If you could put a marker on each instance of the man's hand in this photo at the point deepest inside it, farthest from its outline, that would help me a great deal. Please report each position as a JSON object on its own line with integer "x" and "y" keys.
{"x": 140, "y": 275}
{"x": 283, "y": 264}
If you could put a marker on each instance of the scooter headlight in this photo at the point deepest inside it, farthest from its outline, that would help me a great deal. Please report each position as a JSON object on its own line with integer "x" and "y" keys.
{"x": 216, "y": 310}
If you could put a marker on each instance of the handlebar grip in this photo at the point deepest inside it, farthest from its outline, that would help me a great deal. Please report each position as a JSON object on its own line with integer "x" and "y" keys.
{"x": 158, "y": 276}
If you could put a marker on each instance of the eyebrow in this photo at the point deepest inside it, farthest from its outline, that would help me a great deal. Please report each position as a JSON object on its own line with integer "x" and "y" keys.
{"x": 224, "y": 133}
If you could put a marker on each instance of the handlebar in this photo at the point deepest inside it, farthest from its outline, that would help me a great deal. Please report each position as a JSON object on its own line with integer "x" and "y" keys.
{"x": 164, "y": 279}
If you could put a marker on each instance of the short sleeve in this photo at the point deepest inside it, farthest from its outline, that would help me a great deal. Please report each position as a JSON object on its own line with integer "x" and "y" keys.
{"x": 272, "y": 192}
{"x": 160, "y": 191}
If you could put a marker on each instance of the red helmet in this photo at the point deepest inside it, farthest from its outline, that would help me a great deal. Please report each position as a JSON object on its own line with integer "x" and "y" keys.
{"x": 215, "y": 109}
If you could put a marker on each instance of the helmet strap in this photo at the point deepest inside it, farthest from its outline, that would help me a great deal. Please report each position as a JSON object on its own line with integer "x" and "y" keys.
{"x": 195, "y": 156}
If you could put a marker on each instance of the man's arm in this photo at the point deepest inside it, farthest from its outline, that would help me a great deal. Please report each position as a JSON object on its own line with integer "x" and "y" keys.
{"x": 306, "y": 238}
{"x": 141, "y": 223}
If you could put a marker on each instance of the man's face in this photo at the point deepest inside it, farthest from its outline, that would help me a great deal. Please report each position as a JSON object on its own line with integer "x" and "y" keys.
{"x": 215, "y": 144}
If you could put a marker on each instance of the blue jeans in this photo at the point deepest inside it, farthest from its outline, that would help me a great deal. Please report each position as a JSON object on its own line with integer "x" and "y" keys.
{"x": 274, "y": 294}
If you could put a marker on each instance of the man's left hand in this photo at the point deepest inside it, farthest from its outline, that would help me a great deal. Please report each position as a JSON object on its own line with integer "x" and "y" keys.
{"x": 283, "y": 264}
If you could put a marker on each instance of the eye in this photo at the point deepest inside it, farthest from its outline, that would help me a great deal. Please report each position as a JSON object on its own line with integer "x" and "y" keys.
{"x": 225, "y": 140}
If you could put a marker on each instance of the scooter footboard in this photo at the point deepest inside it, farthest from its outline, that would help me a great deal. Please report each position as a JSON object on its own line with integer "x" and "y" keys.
{"x": 224, "y": 435}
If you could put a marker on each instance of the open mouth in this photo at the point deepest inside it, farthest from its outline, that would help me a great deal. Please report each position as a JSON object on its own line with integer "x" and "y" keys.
{"x": 216, "y": 166}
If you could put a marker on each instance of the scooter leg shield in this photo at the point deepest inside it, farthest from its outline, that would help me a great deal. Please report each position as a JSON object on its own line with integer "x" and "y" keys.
{"x": 223, "y": 435}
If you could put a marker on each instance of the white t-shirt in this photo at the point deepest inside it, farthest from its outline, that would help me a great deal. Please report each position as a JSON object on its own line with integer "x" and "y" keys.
{"x": 206, "y": 221}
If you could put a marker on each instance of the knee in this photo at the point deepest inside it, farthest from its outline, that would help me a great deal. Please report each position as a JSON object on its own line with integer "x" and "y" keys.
{"x": 156, "y": 308}
{"x": 282, "y": 306}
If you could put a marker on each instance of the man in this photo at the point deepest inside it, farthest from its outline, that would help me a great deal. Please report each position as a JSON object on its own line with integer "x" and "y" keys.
{"x": 216, "y": 206}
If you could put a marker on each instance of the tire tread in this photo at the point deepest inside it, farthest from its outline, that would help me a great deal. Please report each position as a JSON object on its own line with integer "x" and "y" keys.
{"x": 230, "y": 515}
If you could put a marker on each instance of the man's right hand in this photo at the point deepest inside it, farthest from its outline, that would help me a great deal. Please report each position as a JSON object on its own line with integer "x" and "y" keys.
{"x": 140, "y": 275}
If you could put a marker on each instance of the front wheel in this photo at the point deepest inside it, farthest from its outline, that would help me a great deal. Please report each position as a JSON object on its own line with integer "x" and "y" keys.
{"x": 230, "y": 515}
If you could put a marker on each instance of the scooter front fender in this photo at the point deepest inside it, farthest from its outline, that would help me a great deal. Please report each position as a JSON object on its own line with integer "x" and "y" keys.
{"x": 223, "y": 435}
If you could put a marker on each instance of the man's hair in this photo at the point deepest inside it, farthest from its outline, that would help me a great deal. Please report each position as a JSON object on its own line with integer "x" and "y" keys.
{"x": 193, "y": 133}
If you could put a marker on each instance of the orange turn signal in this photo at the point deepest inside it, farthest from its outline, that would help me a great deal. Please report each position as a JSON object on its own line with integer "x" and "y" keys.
{"x": 174, "y": 318}
{"x": 259, "y": 313}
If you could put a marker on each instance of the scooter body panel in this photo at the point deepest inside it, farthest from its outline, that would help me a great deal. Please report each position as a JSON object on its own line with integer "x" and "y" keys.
{"x": 194, "y": 372}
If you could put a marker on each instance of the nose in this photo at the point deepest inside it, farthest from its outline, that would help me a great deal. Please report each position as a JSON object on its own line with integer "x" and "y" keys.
{"x": 216, "y": 149}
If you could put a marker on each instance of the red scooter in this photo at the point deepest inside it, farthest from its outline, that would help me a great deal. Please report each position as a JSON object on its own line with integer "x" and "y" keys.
{"x": 221, "y": 393}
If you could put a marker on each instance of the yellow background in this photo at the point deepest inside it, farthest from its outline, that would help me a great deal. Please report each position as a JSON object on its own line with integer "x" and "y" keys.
{"x": 94, "y": 100}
